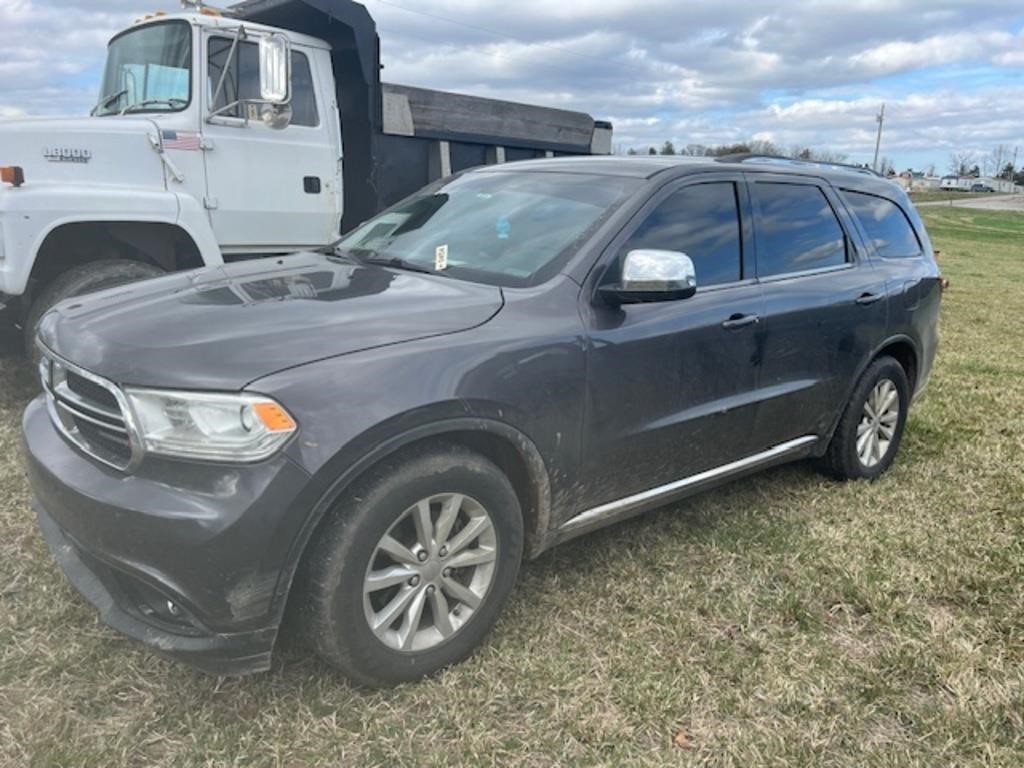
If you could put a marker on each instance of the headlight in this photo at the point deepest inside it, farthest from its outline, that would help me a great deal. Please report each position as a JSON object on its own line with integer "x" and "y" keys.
{"x": 196, "y": 425}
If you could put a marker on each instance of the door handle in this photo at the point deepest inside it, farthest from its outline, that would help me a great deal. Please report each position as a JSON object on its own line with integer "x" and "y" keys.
{"x": 740, "y": 321}
{"x": 869, "y": 298}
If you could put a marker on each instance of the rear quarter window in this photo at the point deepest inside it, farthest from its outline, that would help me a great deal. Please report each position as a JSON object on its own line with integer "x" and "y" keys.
{"x": 886, "y": 225}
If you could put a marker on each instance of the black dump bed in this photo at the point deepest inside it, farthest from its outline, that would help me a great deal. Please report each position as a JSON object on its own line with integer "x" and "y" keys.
{"x": 397, "y": 138}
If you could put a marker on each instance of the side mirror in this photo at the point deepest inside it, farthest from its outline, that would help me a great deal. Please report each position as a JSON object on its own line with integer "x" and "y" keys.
{"x": 275, "y": 69}
{"x": 649, "y": 275}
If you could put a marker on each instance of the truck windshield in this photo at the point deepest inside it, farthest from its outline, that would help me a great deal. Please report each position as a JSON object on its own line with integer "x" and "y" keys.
{"x": 504, "y": 228}
{"x": 148, "y": 70}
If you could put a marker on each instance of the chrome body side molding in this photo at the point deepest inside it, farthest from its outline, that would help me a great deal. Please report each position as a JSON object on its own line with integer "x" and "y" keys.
{"x": 606, "y": 513}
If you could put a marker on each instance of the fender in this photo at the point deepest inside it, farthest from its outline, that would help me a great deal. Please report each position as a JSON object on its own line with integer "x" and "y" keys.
{"x": 894, "y": 339}
{"x": 527, "y": 449}
{"x": 33, "y": 214}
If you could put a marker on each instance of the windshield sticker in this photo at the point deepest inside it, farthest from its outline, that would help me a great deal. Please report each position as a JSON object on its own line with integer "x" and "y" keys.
{"x": 441, "y": 257}
{"x": 504, "y": 228}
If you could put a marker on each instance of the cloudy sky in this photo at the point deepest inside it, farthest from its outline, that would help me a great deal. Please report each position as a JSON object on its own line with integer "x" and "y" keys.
{"x": 810, "y": 73}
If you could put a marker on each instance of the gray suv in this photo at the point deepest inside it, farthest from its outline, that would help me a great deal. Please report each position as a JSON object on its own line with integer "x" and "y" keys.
{"x": 512, "y": 357}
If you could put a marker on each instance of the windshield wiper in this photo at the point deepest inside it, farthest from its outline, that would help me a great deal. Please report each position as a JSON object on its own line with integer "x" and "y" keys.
{"x": 399, "y": 263}
{"x": 150, "y": 102}
{"x": 105, "y": 101}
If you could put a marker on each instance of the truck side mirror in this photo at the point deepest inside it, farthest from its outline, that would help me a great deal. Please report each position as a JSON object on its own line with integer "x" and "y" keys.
{"x": 275, "y": 69}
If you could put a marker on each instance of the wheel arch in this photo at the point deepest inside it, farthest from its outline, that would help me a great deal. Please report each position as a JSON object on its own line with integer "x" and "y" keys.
{"x": 162, "y": 243}
{"x": 904, "y": 350}
{"x": 503, "y": 444}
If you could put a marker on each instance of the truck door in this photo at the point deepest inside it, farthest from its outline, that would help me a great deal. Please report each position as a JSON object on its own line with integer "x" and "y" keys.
{"x": 270, "y": 189}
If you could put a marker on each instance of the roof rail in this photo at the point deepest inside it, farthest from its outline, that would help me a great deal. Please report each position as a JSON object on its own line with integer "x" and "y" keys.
{"x": 742, "y": 157}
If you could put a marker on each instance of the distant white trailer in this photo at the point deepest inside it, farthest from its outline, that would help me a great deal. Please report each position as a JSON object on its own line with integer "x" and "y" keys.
{"x": 969, "y": 183}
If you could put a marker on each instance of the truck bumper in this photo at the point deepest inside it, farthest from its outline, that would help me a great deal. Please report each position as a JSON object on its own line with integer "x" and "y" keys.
{"x": 194, "y": 575}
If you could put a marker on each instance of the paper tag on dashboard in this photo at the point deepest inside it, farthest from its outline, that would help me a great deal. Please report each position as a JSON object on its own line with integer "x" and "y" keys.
{"x": 441, "y": 257}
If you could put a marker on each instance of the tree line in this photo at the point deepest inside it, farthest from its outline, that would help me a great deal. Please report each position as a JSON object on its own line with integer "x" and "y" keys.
{"x": 1001, "y": 162}
{"x": 756, "y": 147}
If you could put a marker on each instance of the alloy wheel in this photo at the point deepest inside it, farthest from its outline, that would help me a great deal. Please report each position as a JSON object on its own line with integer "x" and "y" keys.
{"x": 430, "y": 572}
{"x": 878, "y": 422}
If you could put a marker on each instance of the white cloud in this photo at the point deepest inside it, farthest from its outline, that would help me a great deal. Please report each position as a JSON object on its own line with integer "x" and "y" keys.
{"x": 703, "y": 71}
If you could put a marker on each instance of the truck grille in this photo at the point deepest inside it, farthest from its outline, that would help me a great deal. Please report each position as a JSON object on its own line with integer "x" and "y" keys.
{"x": 89, "y": 411}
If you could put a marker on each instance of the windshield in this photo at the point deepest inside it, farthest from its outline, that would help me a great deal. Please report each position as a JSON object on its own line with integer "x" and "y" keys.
{"x": 503, "y": 228}
{"x": 148, "y": 70}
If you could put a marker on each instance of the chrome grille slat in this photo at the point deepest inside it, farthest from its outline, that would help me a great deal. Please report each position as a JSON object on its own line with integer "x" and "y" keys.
{"x": 68, "y": 395}
{"x": 80, "y": 403}
{"x": 91, "y": 419}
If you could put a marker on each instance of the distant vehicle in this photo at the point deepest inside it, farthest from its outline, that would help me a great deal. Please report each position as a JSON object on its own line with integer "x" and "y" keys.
{"x": 504, "y": 361}
{"x": 216, "y": 138}
{"x": 981, "y": 188}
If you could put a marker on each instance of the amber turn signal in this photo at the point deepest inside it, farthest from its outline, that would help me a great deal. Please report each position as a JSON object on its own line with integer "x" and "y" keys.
{"x": 274, "y": 417}
{"x": 12, "y": 174}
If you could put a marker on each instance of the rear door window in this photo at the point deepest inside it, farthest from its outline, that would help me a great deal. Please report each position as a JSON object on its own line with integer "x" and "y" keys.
{"x": 796, "y": 229}
{"x": 702, "y": 221}
{"x": 886, "y": 225}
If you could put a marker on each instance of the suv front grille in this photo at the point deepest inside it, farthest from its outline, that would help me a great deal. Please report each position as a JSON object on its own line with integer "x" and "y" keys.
{"x": 89, "y": 411}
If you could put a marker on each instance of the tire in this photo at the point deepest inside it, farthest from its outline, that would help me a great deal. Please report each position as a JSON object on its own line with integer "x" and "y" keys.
{"x": 88, "y": 278}
{"x": 864, "y": 446}
{"x": 341, "y": 599}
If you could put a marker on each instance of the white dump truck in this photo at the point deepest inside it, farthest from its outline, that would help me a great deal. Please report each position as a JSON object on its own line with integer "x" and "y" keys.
{"x": 222, "y": 135}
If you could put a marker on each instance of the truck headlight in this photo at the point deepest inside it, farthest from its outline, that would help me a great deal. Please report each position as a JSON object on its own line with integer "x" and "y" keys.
{"x": 210, "y": 426}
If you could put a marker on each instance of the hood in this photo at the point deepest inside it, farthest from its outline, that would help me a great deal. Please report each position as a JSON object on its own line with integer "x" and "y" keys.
{"x": 223, "y": 327}
{"x": 83, "y": 150}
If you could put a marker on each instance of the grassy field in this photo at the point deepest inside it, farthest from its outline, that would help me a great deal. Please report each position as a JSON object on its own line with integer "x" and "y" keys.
{"x": 941, "y": 195}
{"x": 784, "y": 621}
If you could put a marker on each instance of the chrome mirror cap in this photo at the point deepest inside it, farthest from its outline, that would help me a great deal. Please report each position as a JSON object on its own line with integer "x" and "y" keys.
{"x": 653, "y": 275}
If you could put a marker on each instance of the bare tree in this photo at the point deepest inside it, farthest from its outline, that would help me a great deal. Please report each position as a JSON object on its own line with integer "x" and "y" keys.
{"x": 960, "y": 163}
{"x": 995, "y": 161}
{"x": 765, "y": 147}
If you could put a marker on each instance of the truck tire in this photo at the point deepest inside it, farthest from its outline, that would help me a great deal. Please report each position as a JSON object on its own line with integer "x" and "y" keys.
{"x": 88, "y": 278}
{"x": 410, "y": 572}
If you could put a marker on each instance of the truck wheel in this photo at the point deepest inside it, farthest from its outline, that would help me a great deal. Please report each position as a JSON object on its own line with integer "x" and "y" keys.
{"x": 868, "y": 436}
{"x": 410, "y": 573}
{"x": 88, "y": 278}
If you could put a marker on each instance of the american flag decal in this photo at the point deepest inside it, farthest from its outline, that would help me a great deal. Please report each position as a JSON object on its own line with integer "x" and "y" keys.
{"x": 186, "y": 140}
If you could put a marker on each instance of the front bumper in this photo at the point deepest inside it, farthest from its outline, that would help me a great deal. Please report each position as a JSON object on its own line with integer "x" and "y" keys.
{"x": 190, "y": 559}
{"x": 218, "y": 654}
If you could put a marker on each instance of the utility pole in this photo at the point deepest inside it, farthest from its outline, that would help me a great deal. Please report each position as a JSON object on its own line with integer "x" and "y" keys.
{"x": 880, "y": 117}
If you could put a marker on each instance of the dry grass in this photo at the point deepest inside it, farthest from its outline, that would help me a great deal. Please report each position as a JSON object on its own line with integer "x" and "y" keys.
{"x": 785, "y": 620}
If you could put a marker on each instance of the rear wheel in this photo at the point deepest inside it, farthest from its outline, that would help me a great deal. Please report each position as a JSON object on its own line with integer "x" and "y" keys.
{"x": 413, "y": 569}
{"x": 88, "y": 278}
{"x": 868, "y": 436}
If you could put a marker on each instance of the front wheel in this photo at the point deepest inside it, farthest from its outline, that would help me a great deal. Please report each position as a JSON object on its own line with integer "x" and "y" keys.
{"x": 411, "y": 572}
{"x": 868, "y": 436}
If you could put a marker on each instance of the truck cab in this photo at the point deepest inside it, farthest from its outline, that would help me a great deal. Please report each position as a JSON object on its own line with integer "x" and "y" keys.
{"x": 219, "y": 136}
